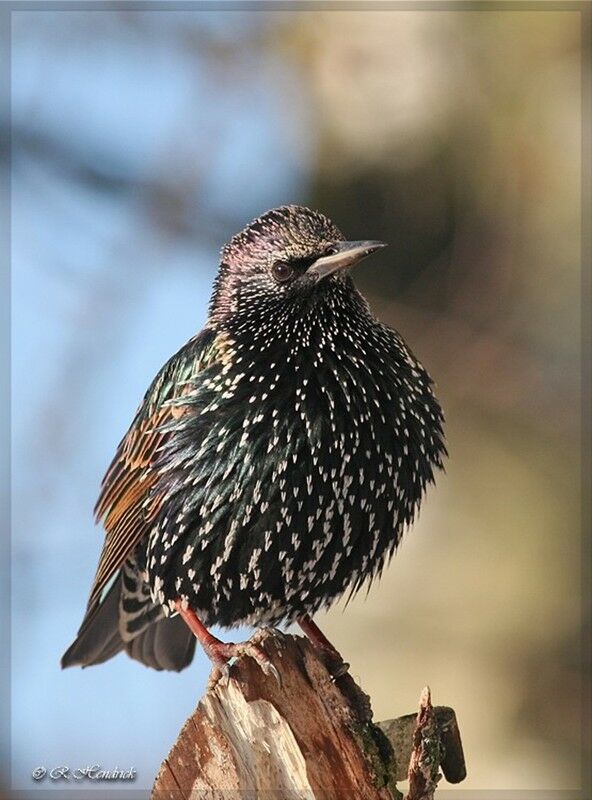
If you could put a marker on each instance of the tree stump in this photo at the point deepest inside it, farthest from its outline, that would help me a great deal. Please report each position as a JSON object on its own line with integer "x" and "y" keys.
{"x": 310, "y": 738}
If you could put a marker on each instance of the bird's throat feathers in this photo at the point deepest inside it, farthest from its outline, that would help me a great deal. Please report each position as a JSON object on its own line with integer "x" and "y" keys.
{"x": 262, "y": 321}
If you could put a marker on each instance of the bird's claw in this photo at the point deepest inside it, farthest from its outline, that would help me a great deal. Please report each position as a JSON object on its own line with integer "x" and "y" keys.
{"x": 225, "y": 653}
{"x": 334, "y": 662}
{"x": 224, "y": 670}
{"x": 261, "y": 657}
{"x": 220, "y": 674}
{"x": 339, "y": 671}
{"x": 269, "y": 669}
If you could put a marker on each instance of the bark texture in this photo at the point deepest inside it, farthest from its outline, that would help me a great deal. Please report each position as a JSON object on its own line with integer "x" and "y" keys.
{"x": 310, "y": 738}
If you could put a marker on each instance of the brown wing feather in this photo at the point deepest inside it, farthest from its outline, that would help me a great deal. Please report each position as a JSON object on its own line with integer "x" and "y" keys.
{"x": 121, "y": 504}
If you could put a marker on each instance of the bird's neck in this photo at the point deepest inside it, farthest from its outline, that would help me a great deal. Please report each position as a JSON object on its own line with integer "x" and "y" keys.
{"x": 273, "y": 325}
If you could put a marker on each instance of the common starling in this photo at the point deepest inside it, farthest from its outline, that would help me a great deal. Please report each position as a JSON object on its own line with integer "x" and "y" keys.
{"x": 274, "y": 462}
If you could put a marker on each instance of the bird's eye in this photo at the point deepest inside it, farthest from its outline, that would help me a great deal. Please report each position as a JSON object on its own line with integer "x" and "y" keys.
{"x": 282, "y": 271}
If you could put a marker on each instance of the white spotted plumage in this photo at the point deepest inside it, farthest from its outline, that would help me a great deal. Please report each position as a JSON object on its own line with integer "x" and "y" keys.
{"x": 323, "y": 460}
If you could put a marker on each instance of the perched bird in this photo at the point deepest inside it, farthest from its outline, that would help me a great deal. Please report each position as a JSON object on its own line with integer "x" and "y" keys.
{"x": 274, "y": 461}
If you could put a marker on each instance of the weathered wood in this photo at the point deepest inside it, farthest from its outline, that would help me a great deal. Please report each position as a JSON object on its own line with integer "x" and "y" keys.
{"x": 401, "y": 734}
{"x": 424, "y": 765}
{"x": 312, "y": 738}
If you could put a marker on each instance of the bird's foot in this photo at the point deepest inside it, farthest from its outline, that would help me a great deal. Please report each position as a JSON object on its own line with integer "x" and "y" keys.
{"x": 331, "y": 656}
{"x": 222, "y": 653}
{"x": 334, "y": 662}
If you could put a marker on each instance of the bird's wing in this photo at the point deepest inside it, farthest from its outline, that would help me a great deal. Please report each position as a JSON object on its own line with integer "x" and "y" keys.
{"x": 127, "y": 483}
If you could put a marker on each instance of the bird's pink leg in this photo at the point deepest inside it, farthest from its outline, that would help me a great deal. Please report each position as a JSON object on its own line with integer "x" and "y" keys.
{"x": 317, "y": 637}
{"x": 219, "y": 652}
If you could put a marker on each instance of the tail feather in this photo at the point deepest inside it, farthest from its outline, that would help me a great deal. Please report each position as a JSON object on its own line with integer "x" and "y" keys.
{"x": 165, "y": 643}
{"x": 98, "y": 638}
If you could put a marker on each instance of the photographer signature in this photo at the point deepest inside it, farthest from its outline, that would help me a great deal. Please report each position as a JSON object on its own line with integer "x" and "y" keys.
{"x": 89, "y": 773}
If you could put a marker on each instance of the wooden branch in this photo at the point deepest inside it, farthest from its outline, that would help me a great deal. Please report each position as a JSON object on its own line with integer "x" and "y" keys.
{"x": 403, "y": 732}
{"x": 311, "y": 738}
{"x": 424, "y": 766}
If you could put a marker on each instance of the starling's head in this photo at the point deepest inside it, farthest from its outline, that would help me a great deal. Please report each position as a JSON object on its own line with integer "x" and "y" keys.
{"x": 287, "y": 255}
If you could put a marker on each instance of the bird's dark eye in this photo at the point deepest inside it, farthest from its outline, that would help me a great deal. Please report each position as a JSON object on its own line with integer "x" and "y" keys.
{"x": 282, "y": 271}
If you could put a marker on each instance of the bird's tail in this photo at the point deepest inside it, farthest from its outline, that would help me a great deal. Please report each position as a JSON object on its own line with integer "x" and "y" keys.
{"x": 161, "y": 643}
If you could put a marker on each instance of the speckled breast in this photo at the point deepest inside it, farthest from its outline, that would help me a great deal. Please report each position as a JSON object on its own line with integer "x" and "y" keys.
{"x": 309, "y": 464}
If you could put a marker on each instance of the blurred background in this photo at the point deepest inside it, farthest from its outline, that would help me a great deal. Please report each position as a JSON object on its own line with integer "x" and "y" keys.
{"x": 141, "y": 141}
